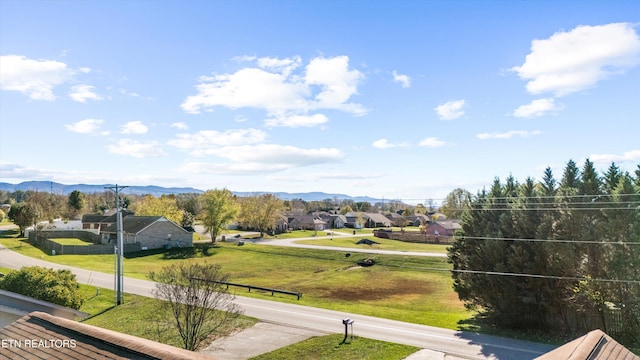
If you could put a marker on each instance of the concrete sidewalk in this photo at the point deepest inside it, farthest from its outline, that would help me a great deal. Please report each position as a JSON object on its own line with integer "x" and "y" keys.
{"x": 265, "y": 337}
{"x": 262, "y": 338}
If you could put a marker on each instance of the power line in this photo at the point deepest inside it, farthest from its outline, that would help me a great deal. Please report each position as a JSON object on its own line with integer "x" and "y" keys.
{"x": 551, "y": 240}
{"x": 572, "y": 278}
{"x": 549, "y": 208}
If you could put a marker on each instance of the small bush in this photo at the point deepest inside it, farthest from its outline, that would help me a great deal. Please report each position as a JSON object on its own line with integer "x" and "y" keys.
{"x": 55, "y": 286}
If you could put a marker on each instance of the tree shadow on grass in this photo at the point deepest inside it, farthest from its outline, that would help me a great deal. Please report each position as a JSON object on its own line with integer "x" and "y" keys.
{"x": 197, "y": 251}
{"x": 11, "y": 233}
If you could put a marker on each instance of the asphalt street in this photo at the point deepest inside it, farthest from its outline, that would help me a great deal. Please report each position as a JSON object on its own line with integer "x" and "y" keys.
{"x": 456, "y": 343}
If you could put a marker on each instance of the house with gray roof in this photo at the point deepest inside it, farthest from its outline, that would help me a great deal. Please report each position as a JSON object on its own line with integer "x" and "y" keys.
{"x": 151, "y": 232}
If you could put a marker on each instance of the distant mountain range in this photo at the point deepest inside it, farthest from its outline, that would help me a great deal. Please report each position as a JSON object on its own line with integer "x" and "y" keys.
{"x": 57, "y": 188}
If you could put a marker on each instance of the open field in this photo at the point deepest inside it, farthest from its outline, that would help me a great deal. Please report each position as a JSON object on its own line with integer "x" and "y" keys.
{"x": 402, "y": 288}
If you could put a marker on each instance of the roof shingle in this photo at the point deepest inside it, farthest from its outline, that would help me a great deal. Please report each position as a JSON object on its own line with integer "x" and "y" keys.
{"x": 43, "y": 336}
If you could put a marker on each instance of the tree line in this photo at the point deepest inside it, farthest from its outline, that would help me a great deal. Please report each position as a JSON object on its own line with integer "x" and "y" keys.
{"x": 557, "y": 256}
{"x": 214, "y": 209}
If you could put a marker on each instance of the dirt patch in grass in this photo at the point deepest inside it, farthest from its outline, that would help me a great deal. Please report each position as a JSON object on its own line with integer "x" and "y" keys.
{"x": 378, "y": 290}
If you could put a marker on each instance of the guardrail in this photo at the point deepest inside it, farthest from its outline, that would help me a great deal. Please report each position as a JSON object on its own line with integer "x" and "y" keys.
{"x": 273, "y": 291}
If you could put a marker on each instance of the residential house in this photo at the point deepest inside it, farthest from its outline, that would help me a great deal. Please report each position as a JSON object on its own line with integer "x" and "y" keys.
{"x": 282, "y": 224}
{"x": 367, "y": 219}
{"x": 336, "y": 221}
{"x": 419, "y": 219}
{"x": 397, "y": 219}
{"x": 595, "y": 345}
{"x": 373, "y": 220}
{"x": 151, "y": 232}
{"x": 98, "y": 223}
{"x": 306, "y": 222}
{"x": 443, "y": 228}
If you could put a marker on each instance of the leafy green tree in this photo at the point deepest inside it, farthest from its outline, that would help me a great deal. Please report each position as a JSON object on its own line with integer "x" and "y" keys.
{"x": 197, "y": 299}
{"x": 260, "y": 212}
{"x": 189, "y": 203}
{"x": 76, "y": 201}
{"x": 166, "y": 206}
{"x": 455, "y": 203}
{"x": 23, "y": 215}
{"x": 345, "y": 209}
{"x": 188, "y": 219}
{"x": 55, "y": 286}
{"x": 219, "y": 208}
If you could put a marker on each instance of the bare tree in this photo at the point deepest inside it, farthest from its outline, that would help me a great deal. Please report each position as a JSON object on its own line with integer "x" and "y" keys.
{"x": 197, "y": 299}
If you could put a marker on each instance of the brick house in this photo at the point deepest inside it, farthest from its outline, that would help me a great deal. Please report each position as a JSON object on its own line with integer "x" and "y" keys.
{"x": 442, "y": 228}
{"x": 151, "y": 232}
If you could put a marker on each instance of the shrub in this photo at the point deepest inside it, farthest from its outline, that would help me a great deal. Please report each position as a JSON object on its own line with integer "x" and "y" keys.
{"x": 55, "y": 286}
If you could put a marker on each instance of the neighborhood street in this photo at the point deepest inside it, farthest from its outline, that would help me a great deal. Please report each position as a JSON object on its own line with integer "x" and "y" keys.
{"x": 453, "y": 343}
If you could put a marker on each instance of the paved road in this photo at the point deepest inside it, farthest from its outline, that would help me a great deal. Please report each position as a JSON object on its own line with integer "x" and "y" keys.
{"x": 456, "y": 343}
{"x": 292, "y": 243}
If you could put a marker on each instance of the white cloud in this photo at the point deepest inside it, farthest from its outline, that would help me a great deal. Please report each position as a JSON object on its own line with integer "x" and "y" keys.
{"x": 180, "y": 125}
{"x": 537, "y": 107}
{"x": 450, "y": 110}
{"x": 627, "y": 156}
{"x": 87, "y": 126}
{"x": 206, "y": 141}
{"x": 249, "y": 87}
{"x": 337, "y": 81}
{"x": 382, "y": 144}
{"x": 432, "y": 142}
{"x": 324, "y": 83}
{"x": 282, "y": 66}
{"x": 405, "y": 80}
{"x": 134, "y": 127}
{"x": 279, "y": 154}
{"x": 82, "y": 93}
{"x": 128, "y": 147}
{"x": 571, "y": 61}
{"x": 253, "y": 159}
{"x": 34, "y": 78}
{"x": 298, "y": 120}
{"x": 385, "y": 144}
{"x": 508, "y": 134}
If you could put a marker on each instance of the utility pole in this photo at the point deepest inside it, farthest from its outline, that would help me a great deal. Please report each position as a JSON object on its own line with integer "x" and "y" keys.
{"x": 119, "y": 246}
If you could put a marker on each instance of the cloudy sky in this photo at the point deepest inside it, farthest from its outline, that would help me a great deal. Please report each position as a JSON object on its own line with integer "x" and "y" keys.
{"x": 399, "y": 100}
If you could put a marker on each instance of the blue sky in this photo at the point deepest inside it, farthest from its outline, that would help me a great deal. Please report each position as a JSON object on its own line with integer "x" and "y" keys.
{"x": 399, "y": 100}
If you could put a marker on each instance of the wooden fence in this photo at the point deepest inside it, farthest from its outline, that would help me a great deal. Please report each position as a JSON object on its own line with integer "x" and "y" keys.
{"x": 413, "y": 236}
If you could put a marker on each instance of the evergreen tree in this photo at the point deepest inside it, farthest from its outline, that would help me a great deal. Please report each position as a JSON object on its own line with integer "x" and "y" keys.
{"x": 612, "y": 178}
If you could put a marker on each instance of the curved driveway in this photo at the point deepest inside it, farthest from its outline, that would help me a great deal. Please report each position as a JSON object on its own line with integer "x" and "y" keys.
{"x": 454, "y": 343}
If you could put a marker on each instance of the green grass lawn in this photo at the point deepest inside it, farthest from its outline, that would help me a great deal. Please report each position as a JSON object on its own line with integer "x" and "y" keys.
{"x": 134, "y": 317}
{"x": 71, "y": 241}
{"x": 385, "y": 244}
{"x": 412, "y": 289}
{"x": 330, "y": 347}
